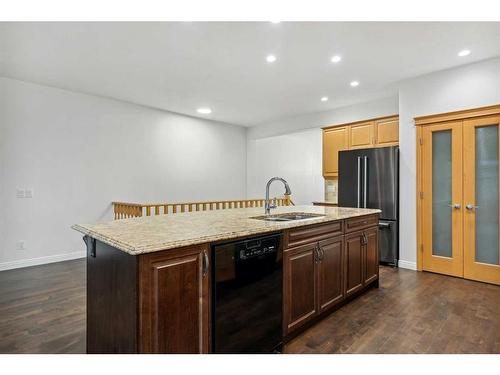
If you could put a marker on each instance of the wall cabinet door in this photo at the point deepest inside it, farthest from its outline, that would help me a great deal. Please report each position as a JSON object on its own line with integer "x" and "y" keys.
{"x": 334, "y": 140}
{"x": 387, "y": 132}
{"x": 371, "y": 255}
{"x": 353, "y": 263}
{"x": 299, "y": 286}
{"x": 330, "y": 273}
{"x": 362, "y": 135}
{"x": 174, "y": 308}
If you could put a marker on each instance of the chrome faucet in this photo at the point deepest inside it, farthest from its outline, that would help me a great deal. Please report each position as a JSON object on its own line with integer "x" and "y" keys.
{"x": 267, "y": 202}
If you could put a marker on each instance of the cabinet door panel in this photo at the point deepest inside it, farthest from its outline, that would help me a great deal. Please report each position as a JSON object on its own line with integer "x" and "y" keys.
{"x": 330, "y": 285}
{"x": 353, "y": 263}
{"x": 299, "y": 286}
{"x": 362, "y": 135}
{"x": 387, "y": 132}
{"x": 334, "y": 140}
{"x": 371, "y": 255}
{"x": 174, "y": 303}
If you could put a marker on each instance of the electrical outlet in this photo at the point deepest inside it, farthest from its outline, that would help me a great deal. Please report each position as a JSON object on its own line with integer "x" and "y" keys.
{"x": 20, "y": 245}
{"x": 20, "y": 193}
{"x": 28, "y": 193}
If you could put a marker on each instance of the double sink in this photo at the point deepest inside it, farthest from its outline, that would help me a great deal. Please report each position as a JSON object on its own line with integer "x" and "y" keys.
{"x": 291, "y": 216}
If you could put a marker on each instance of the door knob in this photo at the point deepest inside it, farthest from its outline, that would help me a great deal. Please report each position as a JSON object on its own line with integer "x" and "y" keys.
{"x": 471, "y": 207}
{"x": 456, "y": 206}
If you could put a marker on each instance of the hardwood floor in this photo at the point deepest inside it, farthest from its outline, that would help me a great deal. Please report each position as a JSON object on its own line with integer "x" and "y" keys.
{"x": 42, "y": 310}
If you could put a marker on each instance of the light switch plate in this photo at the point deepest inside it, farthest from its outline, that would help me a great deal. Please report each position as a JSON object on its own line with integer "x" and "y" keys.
{"x": 20, "y": 245}
{"x": 20, "y": 193}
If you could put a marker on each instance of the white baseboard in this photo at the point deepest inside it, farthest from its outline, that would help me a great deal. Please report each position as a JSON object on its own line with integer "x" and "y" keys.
{"x": 407, "y": 265}
{"x": 42, "y": 260}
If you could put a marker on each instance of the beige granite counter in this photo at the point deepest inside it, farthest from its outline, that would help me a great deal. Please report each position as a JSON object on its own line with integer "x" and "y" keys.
{"x": 154, "y": 233}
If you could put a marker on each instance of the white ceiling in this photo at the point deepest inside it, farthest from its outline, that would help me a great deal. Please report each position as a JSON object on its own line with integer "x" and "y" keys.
{"x": 180, "y": 66}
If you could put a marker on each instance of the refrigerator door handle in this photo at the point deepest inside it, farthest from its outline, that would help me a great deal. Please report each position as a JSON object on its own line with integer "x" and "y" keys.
{"x": 359, "y": 181}
{"x": 365, "y": 179}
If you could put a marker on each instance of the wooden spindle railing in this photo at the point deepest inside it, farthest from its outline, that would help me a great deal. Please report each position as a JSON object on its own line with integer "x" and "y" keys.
{"x": 123, "y": 210}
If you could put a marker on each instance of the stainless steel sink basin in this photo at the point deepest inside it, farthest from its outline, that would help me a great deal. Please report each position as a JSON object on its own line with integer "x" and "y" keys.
{"x": 287, "y": 217}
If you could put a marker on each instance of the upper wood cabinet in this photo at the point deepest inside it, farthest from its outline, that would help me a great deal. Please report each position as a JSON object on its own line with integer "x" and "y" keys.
{"x": 380, "y": 132}
{"x": 334, "y": 140}
{"x": 387, "y": 132}
{"x": 362, "y": 135}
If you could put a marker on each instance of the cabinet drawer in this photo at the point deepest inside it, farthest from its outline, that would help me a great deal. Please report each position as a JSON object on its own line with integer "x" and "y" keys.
{"x": 358, "y": 223}
{"x": 312, "y": 233}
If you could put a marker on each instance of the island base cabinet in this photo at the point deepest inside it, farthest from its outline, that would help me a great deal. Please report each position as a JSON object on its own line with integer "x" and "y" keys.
{"x": 313, "y": 281}
{"x": 371, "y": 268}
{"x": 362, "y": 265}
{"x": 299, "y": 286}
{"x": 354, "y": 263}
{"x": 330, "y": 273}
{"x": 174, "y": 301}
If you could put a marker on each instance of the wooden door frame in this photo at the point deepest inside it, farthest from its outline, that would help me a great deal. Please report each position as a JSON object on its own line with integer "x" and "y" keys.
{"x": 422, "y": 121}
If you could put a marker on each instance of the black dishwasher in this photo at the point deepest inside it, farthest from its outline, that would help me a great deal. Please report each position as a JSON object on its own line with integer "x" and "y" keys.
{"x": 247, "y": 295}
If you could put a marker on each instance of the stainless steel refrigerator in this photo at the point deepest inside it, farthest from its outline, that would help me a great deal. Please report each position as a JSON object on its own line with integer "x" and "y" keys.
{"x": 369, "y": 178}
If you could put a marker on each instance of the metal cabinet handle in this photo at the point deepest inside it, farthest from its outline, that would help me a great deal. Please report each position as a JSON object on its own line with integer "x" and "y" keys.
{"x": 205, "y": 263}
{"x": 471, "y": 207}
{"x": 364, "y": 240}
{"x": 321, "y": 253}
{"x": 456, "y": 206}
{"x": 316, "y": 253}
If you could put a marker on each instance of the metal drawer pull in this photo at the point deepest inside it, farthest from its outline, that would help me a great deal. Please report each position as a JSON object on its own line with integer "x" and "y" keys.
{"x": 456, "y": 206}
{"x": 205, "y": 263}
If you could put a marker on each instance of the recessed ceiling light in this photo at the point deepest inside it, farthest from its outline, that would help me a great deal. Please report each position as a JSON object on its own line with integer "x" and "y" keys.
{"x": 324, "y": 99}
{"x": 336, "y": 59}
{"x": 464, "y": 52}
{"x": 354, "y": 83}
{"x": 270, "y": 58}
{"x": 204, "y": 111}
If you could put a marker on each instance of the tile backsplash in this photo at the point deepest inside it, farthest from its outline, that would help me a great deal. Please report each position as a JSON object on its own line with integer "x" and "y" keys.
{"x": 331, "y": 189}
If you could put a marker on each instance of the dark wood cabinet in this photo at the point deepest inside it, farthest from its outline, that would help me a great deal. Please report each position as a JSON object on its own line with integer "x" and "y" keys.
{"x": 299, "y": 286}
{"x": 330, "y": 273}
{"x": 362, "y": 264}
{"x": 159, "y": 302}
{"x": 353, "y": 263}
{"x": 371, "y": 255}
{"x": 174, "y": 304}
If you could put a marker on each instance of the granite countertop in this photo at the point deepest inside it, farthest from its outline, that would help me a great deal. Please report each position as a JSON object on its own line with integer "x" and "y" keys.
{"x": 154, "y": 233}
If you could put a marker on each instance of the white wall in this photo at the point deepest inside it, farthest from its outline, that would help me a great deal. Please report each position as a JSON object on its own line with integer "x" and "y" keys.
{"x": 80, "y": 152}
{"x": 297, "y": 155}
{"x": 465, "y": 87}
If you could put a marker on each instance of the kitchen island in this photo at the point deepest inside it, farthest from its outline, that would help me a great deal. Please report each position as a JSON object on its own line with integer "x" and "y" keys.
{"x": 148, "y": 278}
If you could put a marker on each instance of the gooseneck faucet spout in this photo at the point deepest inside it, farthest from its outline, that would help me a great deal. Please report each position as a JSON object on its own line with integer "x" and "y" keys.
{"x": 267, "y": 203}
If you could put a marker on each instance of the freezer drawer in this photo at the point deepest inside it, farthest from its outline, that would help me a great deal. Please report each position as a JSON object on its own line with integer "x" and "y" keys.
{"x": 388, "y": 242}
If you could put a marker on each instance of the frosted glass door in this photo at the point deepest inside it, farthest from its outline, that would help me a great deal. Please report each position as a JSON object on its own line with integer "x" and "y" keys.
{"x": 481, "y": 199}
{"x": 442, "y": 198}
